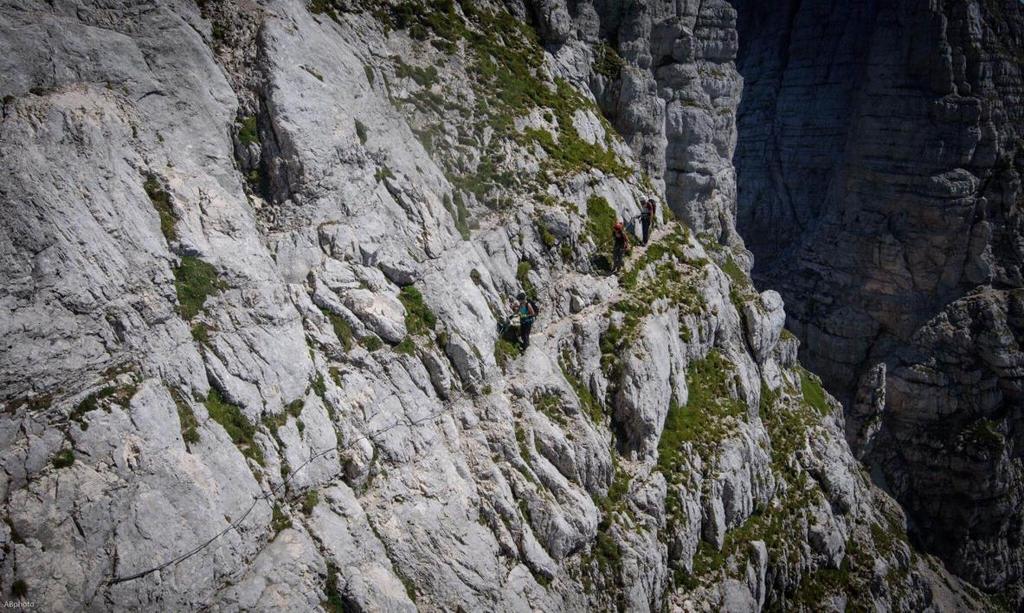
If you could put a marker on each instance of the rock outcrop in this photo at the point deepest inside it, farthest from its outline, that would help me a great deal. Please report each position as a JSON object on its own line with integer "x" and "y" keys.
{"x": 255, "y": 261}
{"x": 880, "y": 160}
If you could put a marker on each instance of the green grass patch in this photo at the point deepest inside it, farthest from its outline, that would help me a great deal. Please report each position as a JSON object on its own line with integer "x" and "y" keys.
{"x": 319, "y": 385}
{"x": 588, "y": 404}
{"x": 546, "y": 237}
{"x": 186, "y": 420}
{"x": 505, "y": 351}
{"x": 119, "y": 395}
{"x": 201, "y": 333}
{"x": 461, "y": 215}
{"x": 238, "y": 427}
{"x": 407, "y": 346}
{"x": 161, "y": 201}
{"x": 341, "y": 329}
{"x": 705, "y": 418}
{"x": 419, "y": 319}
{"x": 309, "y": 502}
{"x": 734, "y": 272}
{"x": 279, "y": 520}
{"x": 372, "y": 342}
{"x": 550, "y": 405}
{"x": 63, "y": 458}
{"x": 523, "y": 276}
{"x": 194, "y": 281}
{"x": 334, "y": 602}
{"x": 247, "y": 132}
{"x": 424, "y": 77}
{"x": 600, "y": 219}
{"x": 813, "y": 393}
{"x": 506, "y": 68}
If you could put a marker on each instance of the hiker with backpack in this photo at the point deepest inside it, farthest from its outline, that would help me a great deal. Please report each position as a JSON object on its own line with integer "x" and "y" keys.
{"x": 647, "y": 218}
{"x": 527, "y": 312}
{"x": 622, "y": 245}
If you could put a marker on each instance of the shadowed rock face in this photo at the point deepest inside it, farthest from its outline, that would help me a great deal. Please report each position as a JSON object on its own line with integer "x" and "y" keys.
{"x": 880, "y": 159}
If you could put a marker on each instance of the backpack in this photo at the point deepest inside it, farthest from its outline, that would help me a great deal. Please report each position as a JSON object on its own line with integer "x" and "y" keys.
{"x": 533, "y": 305}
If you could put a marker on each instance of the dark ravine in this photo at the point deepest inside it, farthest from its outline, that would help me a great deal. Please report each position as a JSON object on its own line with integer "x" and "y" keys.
{"x": 880, "y": 163}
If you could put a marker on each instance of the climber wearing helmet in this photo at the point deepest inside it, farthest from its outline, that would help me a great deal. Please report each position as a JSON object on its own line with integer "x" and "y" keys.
{"x": 621, "y": 244}
{"x": 526, "y": 312}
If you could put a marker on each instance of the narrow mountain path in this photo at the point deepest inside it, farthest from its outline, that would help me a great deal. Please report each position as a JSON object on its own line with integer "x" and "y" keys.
{"x": 547, "y": 334}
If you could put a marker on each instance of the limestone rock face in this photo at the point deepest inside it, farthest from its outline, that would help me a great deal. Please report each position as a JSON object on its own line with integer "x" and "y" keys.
{"x": 880, "y": 166}
{"x": 257, "y": 261}
{"x": 663, "y": 74}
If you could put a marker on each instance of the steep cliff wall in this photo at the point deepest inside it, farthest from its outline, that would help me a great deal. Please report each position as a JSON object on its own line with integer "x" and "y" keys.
{"x": 880, "y": 160}
{"x": 255, "y": 261}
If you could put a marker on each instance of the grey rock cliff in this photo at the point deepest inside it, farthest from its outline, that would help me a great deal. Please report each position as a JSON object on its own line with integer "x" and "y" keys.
{"x": 880, "y": 161}
{"x": 255, "y": 257}
{"x": 663, "y": 74}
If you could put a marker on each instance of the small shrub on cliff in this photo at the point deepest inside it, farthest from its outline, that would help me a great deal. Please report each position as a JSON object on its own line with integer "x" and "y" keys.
{"x": 63, "y": 458}
{"x": 247, "y": 133}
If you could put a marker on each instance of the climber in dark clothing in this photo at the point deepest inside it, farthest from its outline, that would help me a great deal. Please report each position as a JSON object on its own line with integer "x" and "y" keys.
{"x": 647, "y": 218}
{"x": 526, "y": 313}
{"x": 622, "y": 246}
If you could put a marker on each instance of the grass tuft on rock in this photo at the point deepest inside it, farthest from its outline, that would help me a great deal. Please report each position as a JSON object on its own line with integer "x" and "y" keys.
{"x": 162, "y": 203}
{"x": 310, "y": 501}
{"x": 407, "y": 346}
{"x": 505, "y": 351}
{"x": 600, "y": 219}
{"x": 195, "y": 281}
{"x": 704, "y": 419}
{"x": 813, "y": 393}
{"x": 523, "y": 276}
{"x": 247, "y": 133}
{"x": 186, "y": 419}
{"x": 372, "y": 342}
{"x": 63, "y": 458}
{"x": 341, "y": 329}
{"x": 279, "y": 520}
{"x": 238, "y": 427}
{"x": 419, "y": 319}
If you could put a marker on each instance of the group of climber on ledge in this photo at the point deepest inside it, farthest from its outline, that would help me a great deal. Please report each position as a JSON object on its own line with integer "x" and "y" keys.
{"x": 526, "y": 309}
{"x": 620, "y": 236}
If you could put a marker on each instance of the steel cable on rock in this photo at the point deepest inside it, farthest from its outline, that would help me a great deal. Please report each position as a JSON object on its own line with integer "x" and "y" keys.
{"x": 268, "y": 495}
